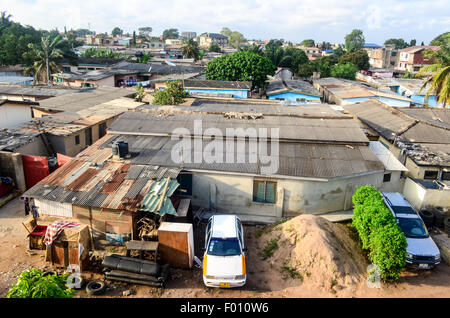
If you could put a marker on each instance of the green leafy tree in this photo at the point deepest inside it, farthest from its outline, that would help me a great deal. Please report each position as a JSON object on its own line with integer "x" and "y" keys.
{"x": 214, "y": 47}
{"x": 140, "y": 93}
{"x": 439, "y": 81}
{"x": 145, "y": 31}
{"x": 32, "y": 284}
{"x": 378, "y": 232}
{"x": 398, "y": 43}
{"x": 346, "y": 71}
{"x": 170, "y": 34}
{"x": 359, "y": 58}
{"x": 241, "y": 66}
{"x": 355, "y": 40}
{"x": 324, "y": 64}
{"x": 45, "y": 56}
{"x": 305, "y": 70}
{"x": 235, "y": 39}
{"x": 117, "y": 31}
{"x": 144, "y": 58}
{"x": 253, "y": 48}
{"x": 413, "y": 42}
{"x": 441, "y": 40}
{"x": 308, "y": 43}
{"x": 191, "y": 49}
{"x": 173, "y": 94}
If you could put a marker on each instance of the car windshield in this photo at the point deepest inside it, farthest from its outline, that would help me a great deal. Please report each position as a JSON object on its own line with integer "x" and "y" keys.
{"x": 224, "y": 246}
{"x": 413, "y": 228}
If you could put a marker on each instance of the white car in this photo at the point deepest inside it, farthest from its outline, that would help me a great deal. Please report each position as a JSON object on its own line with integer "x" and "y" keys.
{"x": 224, "y": 257}
{"x": 421, "y": 251}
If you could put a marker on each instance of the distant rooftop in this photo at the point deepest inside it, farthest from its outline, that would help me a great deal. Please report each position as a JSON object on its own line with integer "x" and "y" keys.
{"x": 217, "y": 84}
{"x": 286, "y": 85}
{"x": 85, "y": 98}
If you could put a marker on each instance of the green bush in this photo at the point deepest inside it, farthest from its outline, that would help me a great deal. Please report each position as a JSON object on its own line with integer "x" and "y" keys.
{"x": 31, "y": 284}
{"x": 379, "y": 233}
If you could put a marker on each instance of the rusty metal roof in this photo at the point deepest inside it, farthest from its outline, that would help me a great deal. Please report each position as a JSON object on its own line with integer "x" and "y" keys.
{"x": 107, "y": 185}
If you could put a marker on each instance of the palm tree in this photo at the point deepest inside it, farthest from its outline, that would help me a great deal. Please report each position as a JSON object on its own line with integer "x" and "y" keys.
{"x": 190, "y": 49}
{"x": 45, "y": 58}
{"x": 5, "y": 19}
{"x": 439, "y": 81}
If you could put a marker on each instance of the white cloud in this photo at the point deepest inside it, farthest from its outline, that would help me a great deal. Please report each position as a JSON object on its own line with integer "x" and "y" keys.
{"x": 291, "y": 19}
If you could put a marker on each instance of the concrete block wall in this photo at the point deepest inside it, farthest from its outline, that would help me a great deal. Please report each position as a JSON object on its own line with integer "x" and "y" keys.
{"x": 11, "y": 166}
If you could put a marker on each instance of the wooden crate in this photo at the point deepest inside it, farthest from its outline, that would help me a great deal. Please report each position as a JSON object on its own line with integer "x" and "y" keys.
{"x": 176, "y": 244}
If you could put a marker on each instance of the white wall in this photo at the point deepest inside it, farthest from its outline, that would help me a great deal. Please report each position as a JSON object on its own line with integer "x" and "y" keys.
{"x": 12, "y": 115}
{"x": 420, "y": 197}
{"x": 234, "y": 193}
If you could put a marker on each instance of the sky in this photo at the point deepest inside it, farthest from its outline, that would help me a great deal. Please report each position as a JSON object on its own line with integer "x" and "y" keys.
{"x": 291, "y": 20}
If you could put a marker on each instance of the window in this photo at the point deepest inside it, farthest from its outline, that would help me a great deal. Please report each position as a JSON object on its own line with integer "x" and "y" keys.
{"x": 264, "y": 191}
{"x": 445, "y": 175}
{"x": 77, "y": 139}
{"x": 101, "y": 130}
{"x": 387, "y": 177}
{"x": 430, "y": 174}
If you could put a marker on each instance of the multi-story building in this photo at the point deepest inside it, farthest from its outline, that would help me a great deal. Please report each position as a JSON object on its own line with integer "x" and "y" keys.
{"x": 411, "y": 59}
{"x": 382, "y": 57}
{"x": 206, "y": 39}
{"x": 188, "y": 35}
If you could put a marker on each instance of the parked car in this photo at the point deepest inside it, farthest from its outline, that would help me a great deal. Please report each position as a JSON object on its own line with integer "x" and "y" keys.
{"x": 421, "y": 251}
{"x": 224, "y": 253}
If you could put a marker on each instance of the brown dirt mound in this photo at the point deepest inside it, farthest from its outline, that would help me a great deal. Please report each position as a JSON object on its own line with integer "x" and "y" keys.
{"x": 311, "y": 251}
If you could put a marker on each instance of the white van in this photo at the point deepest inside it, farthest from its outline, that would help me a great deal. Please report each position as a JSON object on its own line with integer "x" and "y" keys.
{"x": 224, "y": 257}
{"x": 421, "y": 251}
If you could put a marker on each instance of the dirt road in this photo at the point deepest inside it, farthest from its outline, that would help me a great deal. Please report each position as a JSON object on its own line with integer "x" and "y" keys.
{"x": 15, "y": 257}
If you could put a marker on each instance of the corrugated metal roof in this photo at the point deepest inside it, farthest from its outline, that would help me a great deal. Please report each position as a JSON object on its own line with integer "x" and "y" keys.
{"x": 105, "y": 186}
{"x": 299, "y": 129}
{"x": 157, "y": 200}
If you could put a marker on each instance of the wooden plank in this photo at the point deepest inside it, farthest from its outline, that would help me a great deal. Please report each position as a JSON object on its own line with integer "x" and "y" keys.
{"x": 118, "y": 227}
{"x": 174, "y": 247}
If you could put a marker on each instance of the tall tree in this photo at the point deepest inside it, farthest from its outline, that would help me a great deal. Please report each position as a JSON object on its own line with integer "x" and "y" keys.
{"x": 398, "y": 43}
{"x": 134, "y": 38}
{"x": 442, "y": 39}
{"x": 190, "y": 49}
{"x": 241, "y": 66}
{"x": 117, "y": 31}
{"x": 413, "y": 42}
{"x": 45, "y": 58}
{"x": 355, "y": 40}
{"x": 235, "y": 39}
{"x": 439, "y": 81}
{"x": 170, "y": 34}
{"x": 359, "y": 58}
{"x": 347, "y": 71}
{"x": 308, "y": 43}
{"x": 145, "y": 31}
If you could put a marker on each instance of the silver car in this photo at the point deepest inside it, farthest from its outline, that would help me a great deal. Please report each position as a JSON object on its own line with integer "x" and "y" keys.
{"x": 421, "y": 251}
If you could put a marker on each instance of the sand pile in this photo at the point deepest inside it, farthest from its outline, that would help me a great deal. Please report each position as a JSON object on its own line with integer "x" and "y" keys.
{"x": 309, "y": 250}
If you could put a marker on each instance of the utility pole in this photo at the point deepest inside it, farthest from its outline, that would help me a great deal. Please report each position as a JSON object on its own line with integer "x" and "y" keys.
{"x": 46, "y": 61}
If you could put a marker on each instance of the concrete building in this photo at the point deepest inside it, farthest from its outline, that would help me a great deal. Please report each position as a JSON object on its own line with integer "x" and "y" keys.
{"x": 412, "y": 58}
{"x": 324, "y": 155}
{"x": 188, "y": 35}
{"x": 206, "y": 39}
{"x": 345, "y": 92}
{"x": 210, "y": 88}
{"x": 295, "y": 92}
{"x": 383, "y": 57}
{"x": 420, "y": 139}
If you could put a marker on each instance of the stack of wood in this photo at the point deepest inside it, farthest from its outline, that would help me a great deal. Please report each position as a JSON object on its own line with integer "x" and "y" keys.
{"x": 147, "y": 228}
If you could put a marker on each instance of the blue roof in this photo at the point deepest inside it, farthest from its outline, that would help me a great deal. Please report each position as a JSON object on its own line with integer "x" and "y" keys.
{"x": 371, "y": 45}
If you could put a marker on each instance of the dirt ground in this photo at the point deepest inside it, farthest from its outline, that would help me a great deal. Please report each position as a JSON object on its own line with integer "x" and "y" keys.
{"x": 15, "y": 257}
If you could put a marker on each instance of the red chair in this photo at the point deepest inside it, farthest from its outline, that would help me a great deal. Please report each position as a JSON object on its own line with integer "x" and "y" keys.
{"x": 36, "y": 233}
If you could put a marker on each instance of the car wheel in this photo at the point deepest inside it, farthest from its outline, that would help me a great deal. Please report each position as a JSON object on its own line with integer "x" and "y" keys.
{"x": 447, "y": 225}
{"x": 427, "y": 217}
{"x": 96, "y": 287}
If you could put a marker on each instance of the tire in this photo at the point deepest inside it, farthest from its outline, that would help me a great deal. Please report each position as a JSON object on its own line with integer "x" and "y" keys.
{"x": 427, "y": 217}
{"x": 447, "y": 225}
{"x": 50, "y": 272}
{"x": 96, "y": 287}
{"x": 439, "y": 216}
